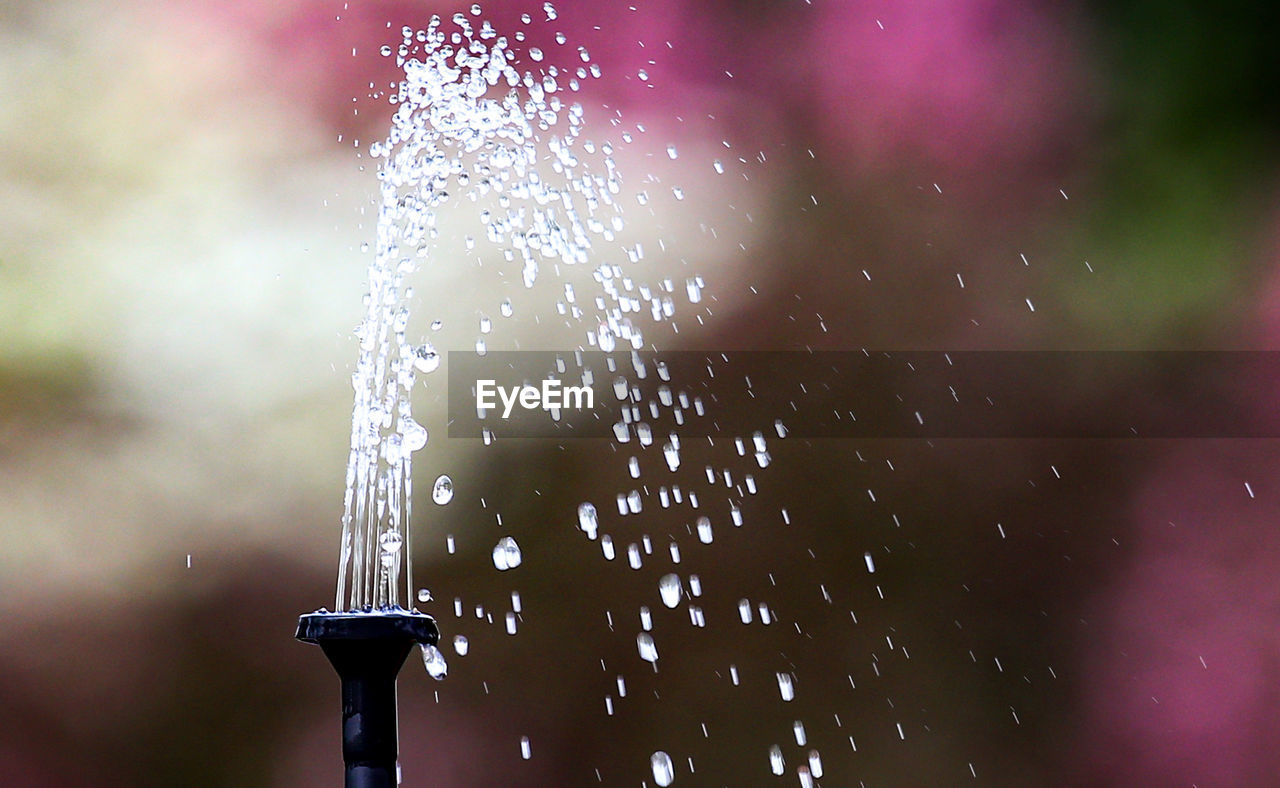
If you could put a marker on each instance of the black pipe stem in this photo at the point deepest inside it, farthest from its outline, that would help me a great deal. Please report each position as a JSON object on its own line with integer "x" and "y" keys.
{"x": 367, "y": 650}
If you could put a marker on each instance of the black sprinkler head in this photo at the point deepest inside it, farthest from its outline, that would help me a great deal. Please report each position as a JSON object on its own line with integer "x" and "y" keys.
{"x": 368, "y": 650}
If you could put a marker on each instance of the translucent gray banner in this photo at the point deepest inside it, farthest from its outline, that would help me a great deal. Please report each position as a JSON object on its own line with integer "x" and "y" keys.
{"x": 865, "y": 394}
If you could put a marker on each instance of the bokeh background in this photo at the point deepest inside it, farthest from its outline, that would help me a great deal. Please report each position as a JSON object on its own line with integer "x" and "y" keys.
{"x": 183, "y": 205}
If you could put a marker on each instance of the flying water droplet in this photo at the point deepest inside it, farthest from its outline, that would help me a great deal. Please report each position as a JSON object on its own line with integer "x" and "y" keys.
{"x": 669, "y": 589}
{"x": 437, "y": 668}
{"x": 506, "y": 554}
{"x": 776, "y": 763}
{"x": 587, "y": 520}
{"x": 786, "y": 686}
{"x": 425, "y": 358}
{"x": 672, "y": 456}
{"x": 704, "y": 530}
{"x": 442, "y": 490}
{"x": 461, "y": 645}
{"x": 664, "y": 771}
{"x": 645, "y": 645}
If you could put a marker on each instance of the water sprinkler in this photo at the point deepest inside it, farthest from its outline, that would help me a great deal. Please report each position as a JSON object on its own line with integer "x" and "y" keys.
{"x": 367, "y": 649}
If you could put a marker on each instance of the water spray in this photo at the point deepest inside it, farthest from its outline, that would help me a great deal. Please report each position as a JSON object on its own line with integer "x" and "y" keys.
{"x": 367, "y": 650}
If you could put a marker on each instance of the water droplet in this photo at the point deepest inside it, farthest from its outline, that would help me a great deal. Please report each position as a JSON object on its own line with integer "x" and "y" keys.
{"x": 424, "y": 595}
{"x": 786, "y": 686}
{"x": 442, "y": 490}
{"x": 437, "y": 668}
{"x": 672, "y": 456}
{"x": 506, "y": 554}
{"x": 669, "y": 589}
{"x": 776, "y": 763}
{"x": 461, "y": 645}
{"x": 744, "y": 610}
{"x": 870, "y": 562}
{"x": 815, "y": 764}
{"x": 386, "y": 50}
{"x": 664, "y": 772}
{"x": 526, "y": 751}
{"x": 391, "y": 541}
{"x": 645, "y": 645}
{"x": 413, "y": 435}
{"x": 425, "y": 358}
{"x": 587, "y": 519}
{"x": 797, "y": 727}
{"x": 704, "y": 530}
{"x": 535, "y": 54}
{"x": 505, "y": 308}
{"x": 672, "y": 152}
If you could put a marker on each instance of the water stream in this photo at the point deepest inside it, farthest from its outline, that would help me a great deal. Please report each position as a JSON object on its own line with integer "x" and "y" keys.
{"x": 469, "y": 125}
{"x": 483, "y": 122}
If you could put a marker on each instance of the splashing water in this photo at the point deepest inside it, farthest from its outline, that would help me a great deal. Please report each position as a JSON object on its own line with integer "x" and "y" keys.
{"x": 468, "y": 125}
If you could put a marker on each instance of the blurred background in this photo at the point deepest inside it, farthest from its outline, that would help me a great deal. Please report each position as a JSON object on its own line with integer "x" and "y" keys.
{"x": 183, "y": 206}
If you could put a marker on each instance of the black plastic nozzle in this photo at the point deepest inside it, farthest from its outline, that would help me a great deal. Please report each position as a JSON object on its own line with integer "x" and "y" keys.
{"x": 367, "y": 650}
